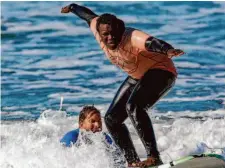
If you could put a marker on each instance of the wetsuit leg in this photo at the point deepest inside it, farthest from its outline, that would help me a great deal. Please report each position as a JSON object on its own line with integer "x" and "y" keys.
{"x": 115, "y": 117}
{"x": 146, "y": 93}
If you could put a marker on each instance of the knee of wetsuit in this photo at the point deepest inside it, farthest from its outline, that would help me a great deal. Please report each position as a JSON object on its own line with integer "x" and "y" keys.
{"x": 135, "y": 110}
{"x": 130, "y": 107}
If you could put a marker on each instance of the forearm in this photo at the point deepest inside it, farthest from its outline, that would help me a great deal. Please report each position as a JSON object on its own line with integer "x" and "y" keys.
{"x": 83, "y": 12}
{"x": 156, "y": 45}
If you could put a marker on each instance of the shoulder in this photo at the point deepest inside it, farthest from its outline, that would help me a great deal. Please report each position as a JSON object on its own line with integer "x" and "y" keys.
{"x": 131, "y": 34}
{"x": 126, "y": 38}
{"x": 70, "y": 137}
{"x": 137, "y": 38}
{"x": 138, "y": 34}
{"x": 128, "y": 32}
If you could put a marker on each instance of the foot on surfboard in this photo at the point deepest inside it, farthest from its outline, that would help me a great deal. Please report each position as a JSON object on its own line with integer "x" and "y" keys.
{"x": 150, "y": 161}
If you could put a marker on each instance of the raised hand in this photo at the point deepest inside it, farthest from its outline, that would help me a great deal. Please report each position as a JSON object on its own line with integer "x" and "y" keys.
{"x": 67, "y": 8}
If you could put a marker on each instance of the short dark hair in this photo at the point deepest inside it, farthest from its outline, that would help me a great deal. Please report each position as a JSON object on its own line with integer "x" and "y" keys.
{"x": 87, "y": 110}
{"x": 110, "y": 19}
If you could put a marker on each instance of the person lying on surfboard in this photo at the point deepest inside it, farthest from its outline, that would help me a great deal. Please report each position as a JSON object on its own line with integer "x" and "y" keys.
{"x": 89, "y": 121}
{"x": 151, "y": 74}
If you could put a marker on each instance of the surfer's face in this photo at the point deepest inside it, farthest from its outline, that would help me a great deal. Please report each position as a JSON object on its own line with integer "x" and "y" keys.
{"x": 110, "y": 36}
{"x": 92, "y": 123}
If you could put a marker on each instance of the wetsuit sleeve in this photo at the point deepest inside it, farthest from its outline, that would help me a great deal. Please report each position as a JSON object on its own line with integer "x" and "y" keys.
{"x": 83, "y": 12}
{"x": 70, "y": 138}
{"x": 157, "y": 45}
{"x": 90, "y": 17}
{"x": 146, "y": 42}
{"x": 108, "y": 139}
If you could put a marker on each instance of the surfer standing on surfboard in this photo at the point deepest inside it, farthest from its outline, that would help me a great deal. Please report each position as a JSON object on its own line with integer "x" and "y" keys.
{"x": 151, "y": 74}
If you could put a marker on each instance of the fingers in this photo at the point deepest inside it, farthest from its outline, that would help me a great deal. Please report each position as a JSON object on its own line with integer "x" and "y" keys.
{"x": 175, "y": 53}
{"x": 178, "y": 52}
{"x": 170, "y": 56}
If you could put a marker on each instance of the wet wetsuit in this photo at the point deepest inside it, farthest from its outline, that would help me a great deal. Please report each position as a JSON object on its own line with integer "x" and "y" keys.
{"x": 151, "y": 75}
{"x": 71, "y": 138}
{"x": 132, "y": 100}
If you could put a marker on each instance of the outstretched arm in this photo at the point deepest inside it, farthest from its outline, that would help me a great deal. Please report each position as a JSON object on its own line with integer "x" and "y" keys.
{"x": 157, "y": 45}
{"x": 81, "y": 11}
{"x": 149, "y": 43}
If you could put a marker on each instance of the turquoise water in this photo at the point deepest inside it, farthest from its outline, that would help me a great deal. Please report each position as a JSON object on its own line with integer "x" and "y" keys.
{"x": 46, "y": 54}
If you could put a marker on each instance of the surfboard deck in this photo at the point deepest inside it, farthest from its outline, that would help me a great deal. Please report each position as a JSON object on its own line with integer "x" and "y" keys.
{"x": 204, "y": 162}
{"x": 195, "y": 161}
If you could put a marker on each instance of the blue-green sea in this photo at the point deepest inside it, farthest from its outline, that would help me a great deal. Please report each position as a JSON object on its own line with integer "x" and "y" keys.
{"x": 46, "y": 55}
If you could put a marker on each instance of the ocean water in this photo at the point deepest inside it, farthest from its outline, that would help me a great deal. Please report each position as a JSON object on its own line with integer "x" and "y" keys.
{"x": 46, "y": 55}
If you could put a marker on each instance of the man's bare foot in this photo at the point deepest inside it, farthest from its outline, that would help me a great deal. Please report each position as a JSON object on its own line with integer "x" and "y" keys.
{"x": 138, "y": 164}
{"x": 150, "y": 161}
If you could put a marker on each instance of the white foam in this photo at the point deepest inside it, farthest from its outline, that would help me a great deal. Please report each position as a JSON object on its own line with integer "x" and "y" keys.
{"x": 61, "y": 62}
{"x": 6, "y": 47}
{"x": 89, "y": 53}
{"x": 35, "y": 73}
{"x": 188, "y": 65}
{"x": 221, "y": 3}
{"x": 208, "y": 11}
{"x": 218, "y": 66}
{"x": 17, "y": 107}
{"x": 103, "y": 81}
{"x": 219, "y": 113}
{"x": 196, "y": 98}
{"x": 219, "y": 43}
{"x": 172, "y": 28}
{"x": 203, "y": 48}
{"x": 206, "y": 39}
{"x": 15, "y": 113}
{"x": 65, "y": 74}
{"x": 108, "y": 68}
{"x": 55, "y": 25}
{"x": 36, "y": 144}
{"x": 84, "y": 94}
{"x": 134, "y": 19}
{"x": 35, "y": 52}
{"x": 178, "y": 10}
{"x": 207, "y": 80}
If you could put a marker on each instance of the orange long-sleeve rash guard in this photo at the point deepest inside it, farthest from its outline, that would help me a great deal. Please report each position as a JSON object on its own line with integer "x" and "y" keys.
{"x": 131, "y": 55}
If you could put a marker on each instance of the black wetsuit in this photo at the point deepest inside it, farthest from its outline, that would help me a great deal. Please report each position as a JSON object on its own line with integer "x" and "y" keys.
{"x": 134, "y": 98}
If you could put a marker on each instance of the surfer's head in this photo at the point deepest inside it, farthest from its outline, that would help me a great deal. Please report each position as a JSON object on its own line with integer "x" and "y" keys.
{"x": 110, "y": 29}
{"x": 90, "y": 119}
